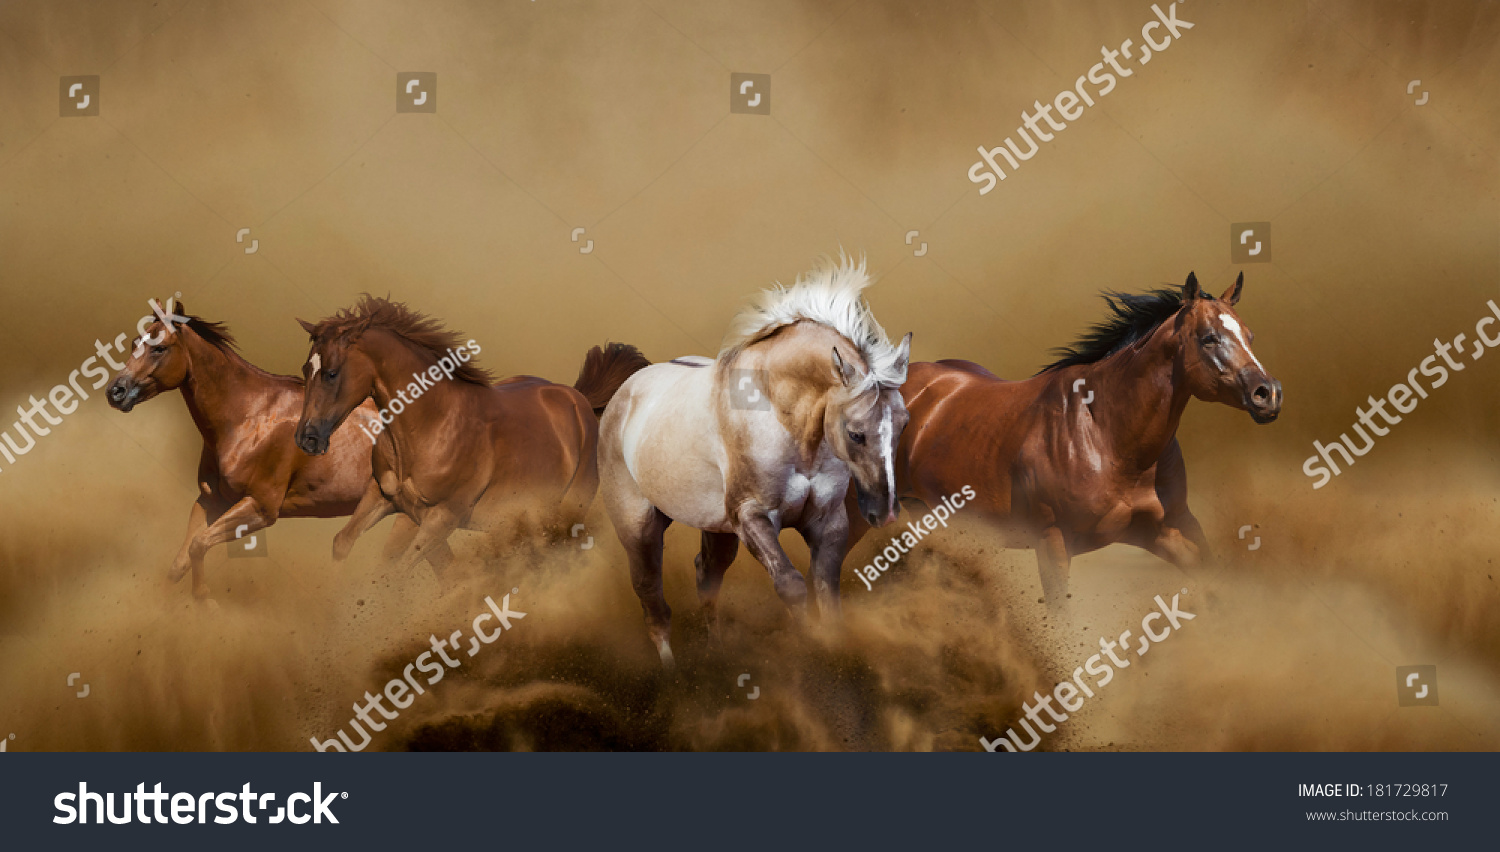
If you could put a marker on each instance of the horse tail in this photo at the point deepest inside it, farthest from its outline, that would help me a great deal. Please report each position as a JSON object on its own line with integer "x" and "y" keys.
{"x": 604, "y": 370}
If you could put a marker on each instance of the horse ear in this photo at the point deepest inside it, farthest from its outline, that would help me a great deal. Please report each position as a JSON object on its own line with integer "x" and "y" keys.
{"x": 1232, "y": 295}
{"x": 312, "y": 330}
{"x": 1190, "y": 290}
{"x": 175, "y": 306}
{"x": 903, "y": 356}
{"x": 847, "y": 373}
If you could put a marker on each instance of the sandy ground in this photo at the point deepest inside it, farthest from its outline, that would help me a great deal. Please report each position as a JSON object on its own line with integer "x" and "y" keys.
{"x": 1293, "y": 647}
{"x": 614, "y": 117}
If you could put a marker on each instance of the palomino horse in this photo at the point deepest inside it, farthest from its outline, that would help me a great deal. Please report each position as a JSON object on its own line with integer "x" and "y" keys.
{"x": 452, "y": 450}
{"x": 1084, "y": 454}
{"x": 802, "y": 397}
{"x": 250, "y": 472}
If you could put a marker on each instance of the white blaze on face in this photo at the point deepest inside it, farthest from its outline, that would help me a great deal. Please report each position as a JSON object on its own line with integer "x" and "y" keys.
{"x": 1233, "y": 325}
{"x": 888, "y": 450}
{"x": 317, "y": 364}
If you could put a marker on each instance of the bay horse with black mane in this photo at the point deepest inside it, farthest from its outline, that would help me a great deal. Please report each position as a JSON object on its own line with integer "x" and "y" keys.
{"x": 250, "y": 472}
{"x": 455, "y": 448}
{"x": 1084, "y": 454}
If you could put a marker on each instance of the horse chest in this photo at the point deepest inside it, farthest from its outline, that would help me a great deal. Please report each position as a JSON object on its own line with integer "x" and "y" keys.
{"x": 818, "y": 487}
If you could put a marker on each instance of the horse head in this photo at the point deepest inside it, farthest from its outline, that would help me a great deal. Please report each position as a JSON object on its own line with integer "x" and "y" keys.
{"x": 1213, "y": 345}
{"x": 339, "y": 376}
{"x": 159, "y": 361}
{"x": 863, "y": 424}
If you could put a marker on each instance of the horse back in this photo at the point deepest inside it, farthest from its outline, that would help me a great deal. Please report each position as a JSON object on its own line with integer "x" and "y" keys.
{"x": 546, "y": 431}
{"x": 968, "y": 367}
{"x": 967, "y": 427}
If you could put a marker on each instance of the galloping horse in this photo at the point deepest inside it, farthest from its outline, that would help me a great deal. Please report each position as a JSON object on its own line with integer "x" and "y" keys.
{"x": 250, "y": 472}
{"x": 1084, "y": 454}
{"x": 460, "y": 450}
{"x": 802, "y": 398}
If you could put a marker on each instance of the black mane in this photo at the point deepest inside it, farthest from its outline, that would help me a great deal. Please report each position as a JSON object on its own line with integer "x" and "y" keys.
{"x": 1133, "y": 316}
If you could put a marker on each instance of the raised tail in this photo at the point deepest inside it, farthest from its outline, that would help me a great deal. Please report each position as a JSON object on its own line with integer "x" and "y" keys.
{"x": 604, "y": 370}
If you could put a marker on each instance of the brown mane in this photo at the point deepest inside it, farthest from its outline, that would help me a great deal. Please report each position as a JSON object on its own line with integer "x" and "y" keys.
{"x": 418, "y": 329}
{"x": 215, "y": 334}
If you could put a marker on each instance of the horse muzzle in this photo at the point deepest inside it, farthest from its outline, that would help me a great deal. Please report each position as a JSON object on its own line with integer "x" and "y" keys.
{"x": 123, "y": 394}
{"x": 312, "y": 440}
{"x": 878, "y": 509}
{"x": 1263, "y": 400}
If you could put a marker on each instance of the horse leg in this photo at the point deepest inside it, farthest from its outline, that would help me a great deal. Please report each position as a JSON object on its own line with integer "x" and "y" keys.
{"x": 197, "y": 523}
{"x": 1193, "y": 532}
{"x": 759, "y": 535}
{"x": 714, "y": 558}
{"x": 1053, "y": 562}
{"x": 403, "y": 530}
{"x": 828, "y": 540}
{"x": 1177, "y": 548}
{"x": 373, "y": 507}
{"x": 431, "y": 542}
{"x": 641, "y": 532}
{"x": 1179, "y": 537}
{"x": 242, "y": 518}
{"x": 858, "y": 526}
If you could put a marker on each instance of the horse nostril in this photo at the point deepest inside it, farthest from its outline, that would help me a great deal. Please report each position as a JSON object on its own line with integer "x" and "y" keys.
{"x": 1262, "y": 394}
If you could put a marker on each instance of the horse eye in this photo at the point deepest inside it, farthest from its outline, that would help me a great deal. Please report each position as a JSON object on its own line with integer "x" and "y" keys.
{"x": 330, "y": 375}
{"x": 158, "y": 350}
{"x": 1210, "y": 339}
{"x": 857, "y": 437}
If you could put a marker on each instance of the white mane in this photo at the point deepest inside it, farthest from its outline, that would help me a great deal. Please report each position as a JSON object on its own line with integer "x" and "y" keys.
{"x": 830, "y": 294}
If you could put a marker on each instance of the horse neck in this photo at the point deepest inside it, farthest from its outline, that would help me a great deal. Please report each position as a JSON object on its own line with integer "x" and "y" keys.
{"x": 798, "y": 363}
{"x": 218, "y": 388}
{"x": 1145, "y": 398}
{"x": 395, "y": 364}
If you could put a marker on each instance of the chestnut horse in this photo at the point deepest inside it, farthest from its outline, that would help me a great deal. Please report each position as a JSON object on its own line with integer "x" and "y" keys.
{"x": 1084, "y": 454}
{"x": 802, "y": 398}
{"x": 250, "y": 472}
{"x": 451, "y": 450}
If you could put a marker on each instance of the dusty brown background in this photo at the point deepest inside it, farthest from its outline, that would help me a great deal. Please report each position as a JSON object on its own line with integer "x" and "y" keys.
{"x": 614, "y": 116}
